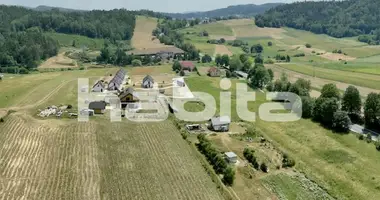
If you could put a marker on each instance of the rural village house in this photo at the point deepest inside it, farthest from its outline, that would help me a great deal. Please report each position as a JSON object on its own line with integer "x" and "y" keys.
{"x": 147, "y": 82}
{"x": 187, "y": 65}
{"x": 221, "y": 123}
{"x": 116, "y": 82}
{"x": 128, "y": 96}
{"x": 99, "y": 107}
{"x": 214, "y": 72}
{"x": 98, "y": 87}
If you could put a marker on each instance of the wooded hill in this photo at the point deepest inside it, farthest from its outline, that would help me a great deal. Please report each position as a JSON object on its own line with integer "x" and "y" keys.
{"x": 335, "y": 18}
{"x": 24, "y": 44}
{"x": 238, "y": 10}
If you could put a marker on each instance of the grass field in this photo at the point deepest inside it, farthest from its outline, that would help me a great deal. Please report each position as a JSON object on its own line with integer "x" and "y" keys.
{"x": 66, "y": 40}
{"x": 218, "y": 29}
{"x": 359, "y": 79}
{"x": 344, "y": 166}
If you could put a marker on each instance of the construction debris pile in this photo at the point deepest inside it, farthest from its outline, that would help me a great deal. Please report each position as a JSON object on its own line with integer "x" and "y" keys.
{"x": 52, "y": 110}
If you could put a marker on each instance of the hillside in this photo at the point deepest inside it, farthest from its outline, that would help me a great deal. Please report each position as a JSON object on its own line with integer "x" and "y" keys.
{"x": 335, "y": 18}
{"x": 241, "y": 10}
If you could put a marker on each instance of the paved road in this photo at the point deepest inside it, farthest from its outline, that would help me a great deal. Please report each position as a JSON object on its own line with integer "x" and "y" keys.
{"x": 361, "y": 130}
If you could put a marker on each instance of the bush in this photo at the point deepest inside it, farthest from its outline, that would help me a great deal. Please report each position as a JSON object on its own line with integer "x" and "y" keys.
{"x": 136, "y": 63}
{"x": 308, "y": 45}
{"x": 229, "y": 176}
{"x": 228, "y": 74}
{"x": 264, "y": 167}
{"x": 270, "y": 43}
{"x": 69, "y": 107}
{"x": 341, "y": 122}
{"x": 182, "y": 73}
{"x": 378, "y": 146}
{"x": 1, "y": 120}
{"x": 249, "y": 154}
{"x": 299, "y": 55}
{"x": 287, "y": 161}
{"x": 361, "y": 137}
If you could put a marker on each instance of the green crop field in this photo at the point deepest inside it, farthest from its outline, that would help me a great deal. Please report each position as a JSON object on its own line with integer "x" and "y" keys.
{"x": 212, "y": 29}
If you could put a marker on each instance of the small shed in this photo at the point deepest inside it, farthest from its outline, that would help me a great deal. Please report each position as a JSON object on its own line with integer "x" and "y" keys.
{"x": 147, "y": 82}
{"x": 231, "y": 157}
{"x": 221, "y": 124}
{"x": 99, "y": 107}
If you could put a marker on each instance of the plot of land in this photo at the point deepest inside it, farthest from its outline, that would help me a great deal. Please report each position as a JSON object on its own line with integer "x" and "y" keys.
{"x": 59, "y": 61}
{"x": 246, "y": 28}
{"x": 222, "y": 49}
{"x": 142, "y": 36}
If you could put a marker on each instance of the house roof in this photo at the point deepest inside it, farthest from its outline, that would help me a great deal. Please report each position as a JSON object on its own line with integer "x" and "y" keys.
{"x": 187, "y": 64}
{"x": 221, "y": 120}
{"x": 148, "y": 77}
{"x": 97, "y": 105}
{"x": 230, "y": 155}
{"x": 213, "y": 69}
{"x": 242, "y": 74}
{"x": 128, "y": 91}
{"x": 100, "y": 83}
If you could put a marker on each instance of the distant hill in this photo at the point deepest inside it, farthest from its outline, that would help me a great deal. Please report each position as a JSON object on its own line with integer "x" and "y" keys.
{"x": 241, "y": 10}
{"x": 49, "y": 8}
{"x": 335, "y": 18}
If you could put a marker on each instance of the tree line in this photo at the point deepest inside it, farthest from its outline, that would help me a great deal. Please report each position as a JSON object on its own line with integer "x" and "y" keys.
{"x": 335, "y": 18}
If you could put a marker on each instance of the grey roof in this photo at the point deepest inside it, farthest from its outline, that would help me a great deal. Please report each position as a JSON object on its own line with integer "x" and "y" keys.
{"x": 242, "y": 74}
{"x": 221, "y": 120}
{"x": 97, "y": 105}
{"x": 230, "y": 155}
{"x": 148, "y": 77}
{"x": 117, "y": 79}
{"x": 99, "y": 82}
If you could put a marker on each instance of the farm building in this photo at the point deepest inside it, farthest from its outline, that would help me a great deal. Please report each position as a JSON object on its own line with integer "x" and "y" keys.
{"x": 231, "y": 157}
{"x": 241, "y": 74}
{"x": 147, "y": 82}
{"x": 163, "y": 53}
{"x": 221, "y": 123}
{"x": 98, "y": 87}
{"x": 116, "y": 82}
{"x": 99, "y": 107}
{"x": 128, "y": 96}
{"x": 187, "y": 66}
{"x": 214, "y": 72}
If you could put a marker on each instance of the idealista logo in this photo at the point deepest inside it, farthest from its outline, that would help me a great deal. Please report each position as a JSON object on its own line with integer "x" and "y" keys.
{"x": 153, "y": 100}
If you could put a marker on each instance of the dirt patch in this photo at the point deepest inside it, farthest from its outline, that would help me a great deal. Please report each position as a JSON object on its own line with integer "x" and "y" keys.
{"x": 3, "y": 113}
{"x": 59, "y": 61}
{"x": 222, "y": 49}
{"x": 324, "y": 54}
{"x": 142, "y": 36}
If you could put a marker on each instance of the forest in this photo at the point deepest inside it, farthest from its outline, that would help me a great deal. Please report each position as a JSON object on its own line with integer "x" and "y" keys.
{"x": 23, "y": 43}
{"x": 335, "y": 18}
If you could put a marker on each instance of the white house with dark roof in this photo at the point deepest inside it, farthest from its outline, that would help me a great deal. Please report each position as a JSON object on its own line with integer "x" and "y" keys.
{"x": 147, "y": 82}
{"x": 98, "y": 87}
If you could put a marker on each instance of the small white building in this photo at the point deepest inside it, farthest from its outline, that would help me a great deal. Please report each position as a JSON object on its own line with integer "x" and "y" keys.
{"x": 231, "y": 157}
{"x": 98, "y": 87}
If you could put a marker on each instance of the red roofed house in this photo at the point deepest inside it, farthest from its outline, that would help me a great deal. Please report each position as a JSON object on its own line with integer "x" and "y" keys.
{"x": 214, "y": 72}
{"x": 187, "y": 65}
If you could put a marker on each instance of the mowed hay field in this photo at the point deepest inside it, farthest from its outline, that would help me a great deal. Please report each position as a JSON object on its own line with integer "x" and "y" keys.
{"x": 98, "y": 160}
{"x": 142, "y": 36}
{"x": 64, "y": 159}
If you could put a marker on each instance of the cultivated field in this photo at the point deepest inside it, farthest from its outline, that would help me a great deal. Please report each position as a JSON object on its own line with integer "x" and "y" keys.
{"x": 222, "y": 49}
{"x": 142, "y": 36}
{"x": 65, "y": 159}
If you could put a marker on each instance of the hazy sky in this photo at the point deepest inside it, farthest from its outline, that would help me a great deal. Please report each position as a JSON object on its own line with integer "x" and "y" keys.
{"x": 156, "y": 5}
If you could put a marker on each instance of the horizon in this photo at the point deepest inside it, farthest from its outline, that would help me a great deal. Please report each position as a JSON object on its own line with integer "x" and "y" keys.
{"x": 139, "y": 5}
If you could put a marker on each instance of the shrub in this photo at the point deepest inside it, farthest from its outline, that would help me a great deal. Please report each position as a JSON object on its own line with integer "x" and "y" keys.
{"x": 136, "y": 63}
{"x": 341, "y": 122}
{"x": 228, "y": 74}
{"x": 182, "y": 73}
{"x": 270, "y": 43}
{"x": 308, "y": 45}
{"x": 1, "y": 120}
{"x": 69, "y": 106}
{"x": 361, "y": 137}
{"x": 299, "y": 55}
{"x": 229, "y": 176}
{"x": 287, "y": 161}
{"x": 378, "y": 145}
{"x": 264, "y": 167}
